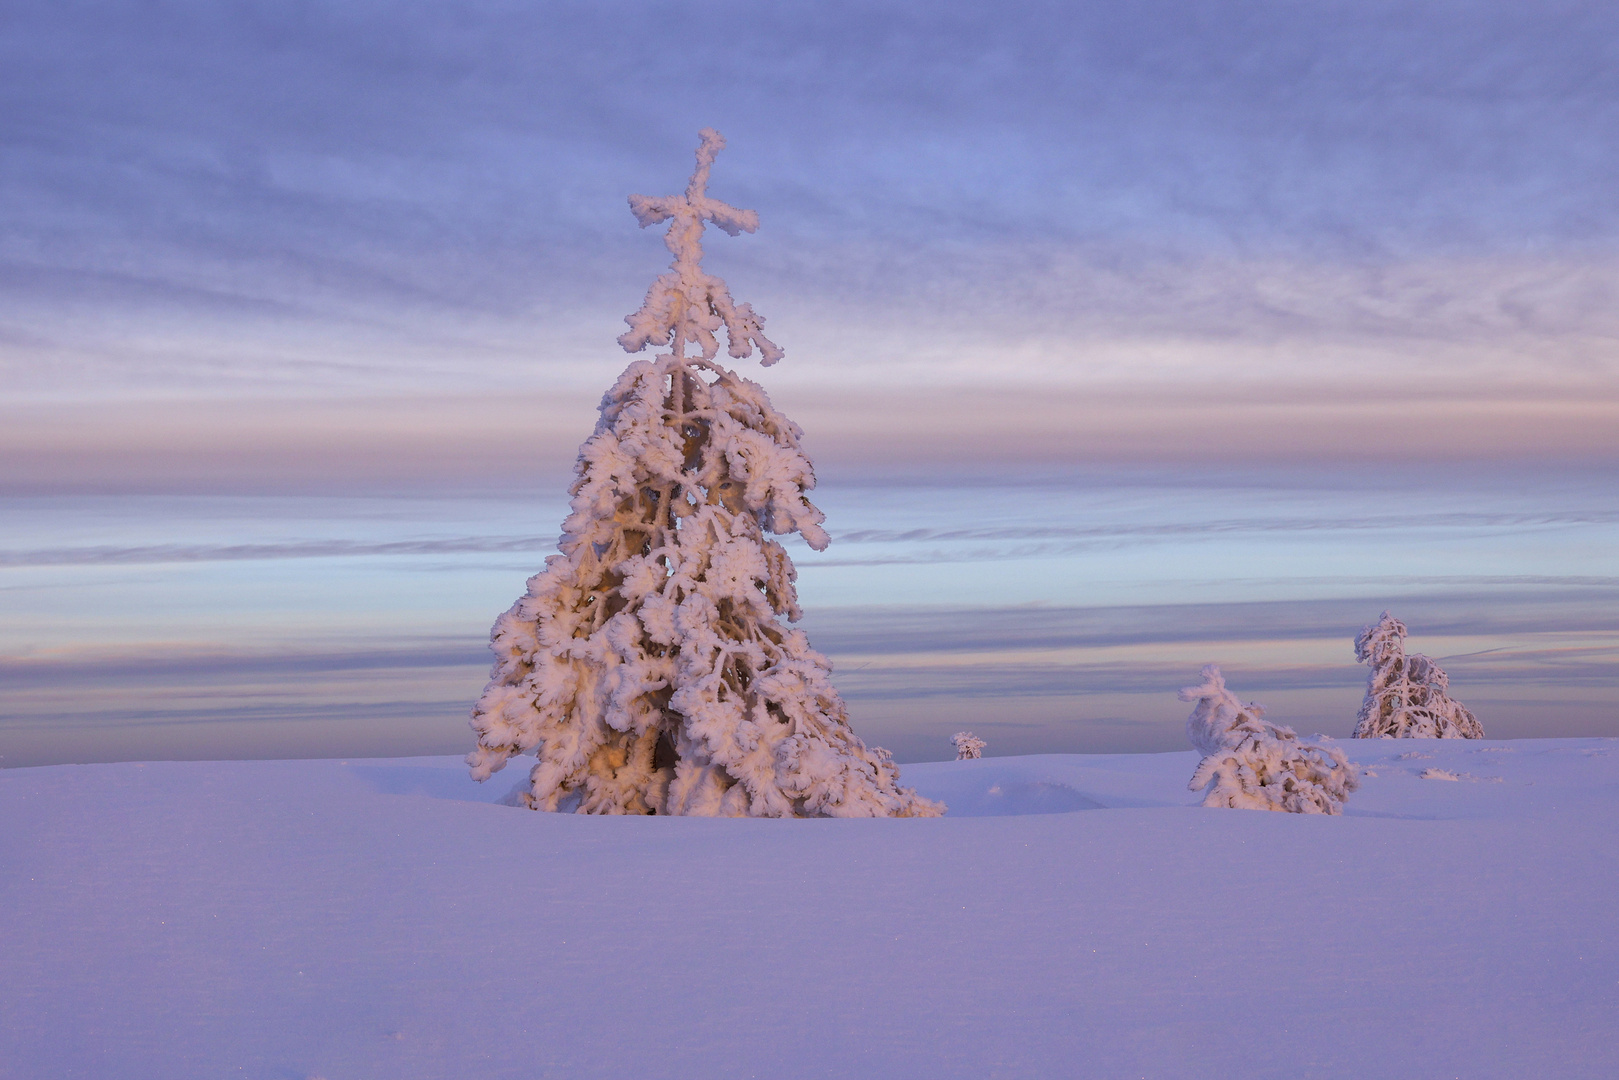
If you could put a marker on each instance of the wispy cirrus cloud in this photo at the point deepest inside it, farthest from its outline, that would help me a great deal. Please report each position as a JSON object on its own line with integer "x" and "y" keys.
{"x": 263, "y": 200}
{"x": 910, "y": 546}
{"x": 924, "y": 432}
{"x": 305, "y": 549}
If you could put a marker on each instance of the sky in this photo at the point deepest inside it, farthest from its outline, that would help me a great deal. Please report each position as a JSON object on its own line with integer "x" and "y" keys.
{"x": 292, "y": 292}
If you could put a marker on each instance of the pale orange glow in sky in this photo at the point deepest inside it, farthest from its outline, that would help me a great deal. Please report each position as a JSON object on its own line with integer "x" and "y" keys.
{"x": 1125, "y": 338}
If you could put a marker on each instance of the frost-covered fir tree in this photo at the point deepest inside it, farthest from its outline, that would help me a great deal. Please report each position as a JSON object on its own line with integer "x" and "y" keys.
{"x": 1407, "y": 695}
{"x": 968, "y": 745}
{"x": 648, "y": 667}
{"x": 1252, "y": 764}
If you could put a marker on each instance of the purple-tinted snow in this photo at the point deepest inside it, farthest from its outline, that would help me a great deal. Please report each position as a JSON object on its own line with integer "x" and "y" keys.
{"x": 385, "y": 919}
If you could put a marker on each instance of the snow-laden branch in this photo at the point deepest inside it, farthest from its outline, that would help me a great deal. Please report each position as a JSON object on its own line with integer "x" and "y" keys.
{"x": 649, "y": 667}
{"x": 686, "y": 306}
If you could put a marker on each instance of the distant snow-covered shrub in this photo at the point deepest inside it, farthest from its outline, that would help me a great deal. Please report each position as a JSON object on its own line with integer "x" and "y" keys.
{"x": 1250, "y": 763}
{"x": 1407, "y": 695}
{"x": 968, "y": 745}
{"x": 648, "y": 668}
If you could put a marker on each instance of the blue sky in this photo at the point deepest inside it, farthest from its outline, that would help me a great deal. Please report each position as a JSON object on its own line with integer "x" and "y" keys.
{"x": 1307, "y": 264}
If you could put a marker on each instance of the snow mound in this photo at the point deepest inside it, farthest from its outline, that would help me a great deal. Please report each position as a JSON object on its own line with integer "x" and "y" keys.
{"x": 1003, "y": 793}
{"x": 1447, "y": 774}
{"x": 426, "y": 778}
{"x": 1041, "y": 784}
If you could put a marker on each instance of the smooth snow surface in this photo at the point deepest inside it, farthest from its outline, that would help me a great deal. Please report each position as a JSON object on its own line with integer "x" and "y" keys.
{"x": 386, "y": 918}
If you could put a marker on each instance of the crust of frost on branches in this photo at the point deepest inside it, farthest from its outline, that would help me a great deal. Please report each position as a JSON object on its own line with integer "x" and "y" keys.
{"x": 1407, "y": 695}
{"x": 649, "y": 668}
{"x": 968, "y": 745}
{"x": 686, "y": 305}
{"x": 1250, "y": 763}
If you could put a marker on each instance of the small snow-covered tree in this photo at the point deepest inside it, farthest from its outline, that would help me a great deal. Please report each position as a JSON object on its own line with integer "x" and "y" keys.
{"x": 648, "y": 667}
{"x": 968, "y": 745}
{"x": 1407, "y": 695}
{"x": 1251, "y": 763}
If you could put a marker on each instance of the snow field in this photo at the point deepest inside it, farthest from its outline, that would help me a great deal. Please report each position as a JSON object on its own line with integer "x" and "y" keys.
{"x": 386, "y": 918}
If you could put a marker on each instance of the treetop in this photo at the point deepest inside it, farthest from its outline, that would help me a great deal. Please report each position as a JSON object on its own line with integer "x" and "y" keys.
{"x": 685, "y": 305}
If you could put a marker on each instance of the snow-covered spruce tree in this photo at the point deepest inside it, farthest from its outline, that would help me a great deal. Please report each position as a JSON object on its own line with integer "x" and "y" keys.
{"x": 1407, "y": 695}
{"x": 968, "y": 745}
{"x": 648, "y": 667}
{"x": 1252, "y": 764}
